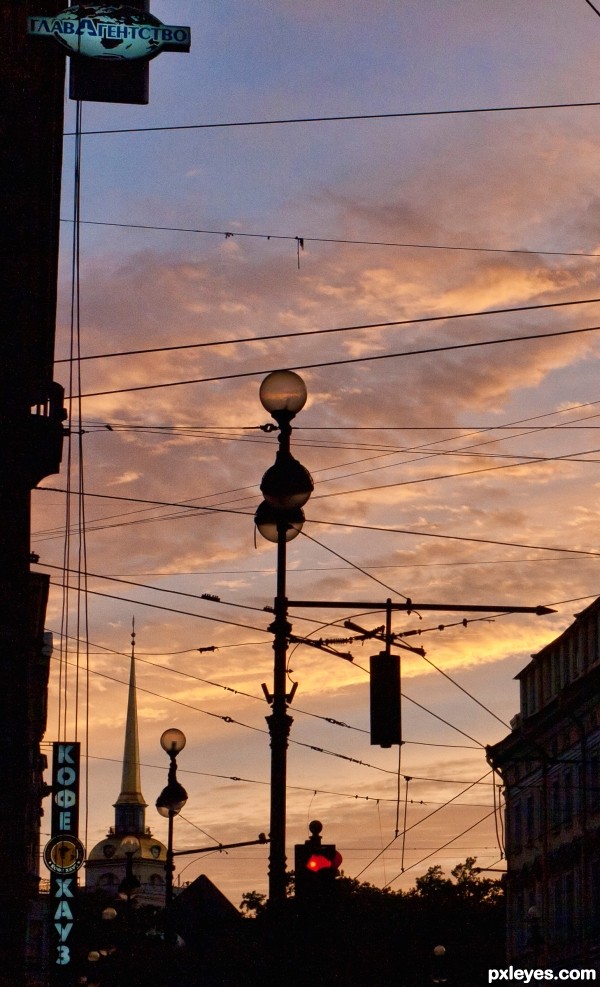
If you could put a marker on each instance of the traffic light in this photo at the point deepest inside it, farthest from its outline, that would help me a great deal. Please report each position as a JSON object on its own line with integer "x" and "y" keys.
{"x": 385, "y": 700}
{"x": 316, "y": 866}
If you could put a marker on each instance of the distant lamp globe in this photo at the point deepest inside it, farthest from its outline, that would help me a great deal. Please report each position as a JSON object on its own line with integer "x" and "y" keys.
{"x": 283, "y": 391}
{"x": 173, "y": 740}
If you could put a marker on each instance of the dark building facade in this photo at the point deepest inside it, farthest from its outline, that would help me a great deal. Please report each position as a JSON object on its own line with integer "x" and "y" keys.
{"x": 37, "y": 671}
{"x": 550, "y": 766}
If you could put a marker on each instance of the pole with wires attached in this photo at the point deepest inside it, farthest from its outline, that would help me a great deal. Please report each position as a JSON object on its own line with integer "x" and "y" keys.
{"x": 286, "y": 487}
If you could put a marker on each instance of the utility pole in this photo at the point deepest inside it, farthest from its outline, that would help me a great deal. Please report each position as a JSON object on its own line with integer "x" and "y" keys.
{"x": 32, "y": 84}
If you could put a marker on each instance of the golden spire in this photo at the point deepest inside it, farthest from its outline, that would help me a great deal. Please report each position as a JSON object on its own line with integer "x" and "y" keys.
{"x": 131, "y": 790}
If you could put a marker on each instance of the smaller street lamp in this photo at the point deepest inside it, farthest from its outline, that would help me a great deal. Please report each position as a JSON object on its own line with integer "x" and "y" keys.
{"x": 130, "y": 885}
{"x": 171, "y": 800}
{"x": 439, "y": 975}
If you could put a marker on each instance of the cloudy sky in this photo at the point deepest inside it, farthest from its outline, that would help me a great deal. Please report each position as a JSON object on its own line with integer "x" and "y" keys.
{"x": 468, "y": 475}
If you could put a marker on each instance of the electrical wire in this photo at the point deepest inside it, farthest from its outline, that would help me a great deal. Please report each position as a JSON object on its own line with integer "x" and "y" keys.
{"x": 302, "y": 333}
{"x": 231, "y": 721}
{"x": 417, "y": 533}
{"x": 228, "y": 234}
{"x": 595, "y": 9}
{"x": 353, "y": 565}
{"x": 296, "y": 788}
{"x": 461, "y": 449}
{"x": 340, "y": 118}
{"x": 443, "y": 847}
{"x": 247, "y": 695}
{"x": 341, "y": 362}
{"x": 421, "y": 821}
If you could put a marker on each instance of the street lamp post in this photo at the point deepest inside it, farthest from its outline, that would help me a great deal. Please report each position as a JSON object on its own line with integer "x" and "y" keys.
{"x": 439, "y": 974}
{"x": 171, "y": 800}
{"x": 286, "y": 487}
{"x": 130, "y": 885}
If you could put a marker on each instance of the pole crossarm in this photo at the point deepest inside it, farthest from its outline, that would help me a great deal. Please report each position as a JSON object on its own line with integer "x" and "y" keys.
{"x": 221, "y": 846}
{"x": 410, "y": 607}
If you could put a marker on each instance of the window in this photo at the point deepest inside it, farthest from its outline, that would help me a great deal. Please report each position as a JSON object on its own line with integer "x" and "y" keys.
{"x": 592, "y": 641}
{"x": 546, "y": 679}
{"x": 555, "y": 672}
{"x": 575, "y": 649}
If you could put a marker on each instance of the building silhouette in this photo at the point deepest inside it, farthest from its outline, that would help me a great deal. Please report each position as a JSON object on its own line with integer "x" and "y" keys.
{"x": 106, "y": 862}
{"x": 550, "y": 766}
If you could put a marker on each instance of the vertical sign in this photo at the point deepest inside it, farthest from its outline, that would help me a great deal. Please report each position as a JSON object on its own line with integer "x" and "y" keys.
{"x": 63, "y": 856}
{"x": 65, "y": 789}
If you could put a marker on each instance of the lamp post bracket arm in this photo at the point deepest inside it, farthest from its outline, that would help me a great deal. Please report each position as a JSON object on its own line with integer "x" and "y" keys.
{"x": 262, "y": 839}
{"x": 454, "y": 607}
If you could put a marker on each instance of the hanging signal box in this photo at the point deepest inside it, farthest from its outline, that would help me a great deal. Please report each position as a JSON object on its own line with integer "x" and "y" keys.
{"x": 385, "y": 700}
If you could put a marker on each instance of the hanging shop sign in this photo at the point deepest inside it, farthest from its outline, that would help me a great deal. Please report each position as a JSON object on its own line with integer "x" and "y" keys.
{"x": 114, "y": 32}
{"x": 63, "y": 855}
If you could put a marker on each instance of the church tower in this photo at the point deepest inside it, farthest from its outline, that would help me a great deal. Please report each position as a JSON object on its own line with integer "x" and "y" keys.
{"x": 106, "y": 863}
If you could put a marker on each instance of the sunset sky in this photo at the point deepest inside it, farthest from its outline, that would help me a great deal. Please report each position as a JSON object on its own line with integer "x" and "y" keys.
{"x": 462, "y": 476}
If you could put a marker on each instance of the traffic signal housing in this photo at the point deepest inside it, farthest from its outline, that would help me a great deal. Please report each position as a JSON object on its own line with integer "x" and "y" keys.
{"x": 385, "y": 700}
{"x": 316, "y": 867}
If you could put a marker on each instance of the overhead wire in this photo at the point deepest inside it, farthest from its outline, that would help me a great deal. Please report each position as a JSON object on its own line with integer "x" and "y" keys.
{"x": 421, "y": 821}
{"x": 406, "y": 114}
{"x": 232, "y": 721}
{"x": 340, "y": 362}
{"x": 496, "y": 109}
{"x": 520, "y": 423}
{"x": 299, "y": 788}
{"x": 247, "y": 695}
{"x": 236, "y": 624}
{"x": 303, "y": 333}
{"x": 417, "y": 533}
{"x": 306, "y": 238}
{"x": 443, "y": 847}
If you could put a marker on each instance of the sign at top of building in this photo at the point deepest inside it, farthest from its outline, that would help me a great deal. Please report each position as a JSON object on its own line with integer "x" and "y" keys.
{"x": 115, "y": 32}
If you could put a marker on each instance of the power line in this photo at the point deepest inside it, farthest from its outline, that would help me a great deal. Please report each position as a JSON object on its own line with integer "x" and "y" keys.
{"x": 345, "y": 362}
{"x": 300, "y": 641}
{"x": 428, "y": 816}
{"x": 443, "y": 847}
{"x": 416, "y": 533}
{"x": 340, "y": 118}
{"x": 231, "y": 721}
{"x": 595, "y": 9}
{"x": 241, "y": 692}
{"x": 368, "y": 325}
{"x": 297, "y": 788}
{"x": 341, "y": 240}
{"x": 456, "y": 451}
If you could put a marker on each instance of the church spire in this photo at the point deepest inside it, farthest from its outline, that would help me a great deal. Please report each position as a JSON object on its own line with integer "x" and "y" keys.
{"x": 130, "y": 806}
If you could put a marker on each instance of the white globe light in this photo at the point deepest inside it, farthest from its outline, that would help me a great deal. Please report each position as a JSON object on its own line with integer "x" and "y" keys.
{"x": 283, "y": 390}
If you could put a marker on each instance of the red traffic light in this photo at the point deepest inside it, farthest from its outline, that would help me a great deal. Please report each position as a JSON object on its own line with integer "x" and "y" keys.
{"x": 317, "y": 862}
